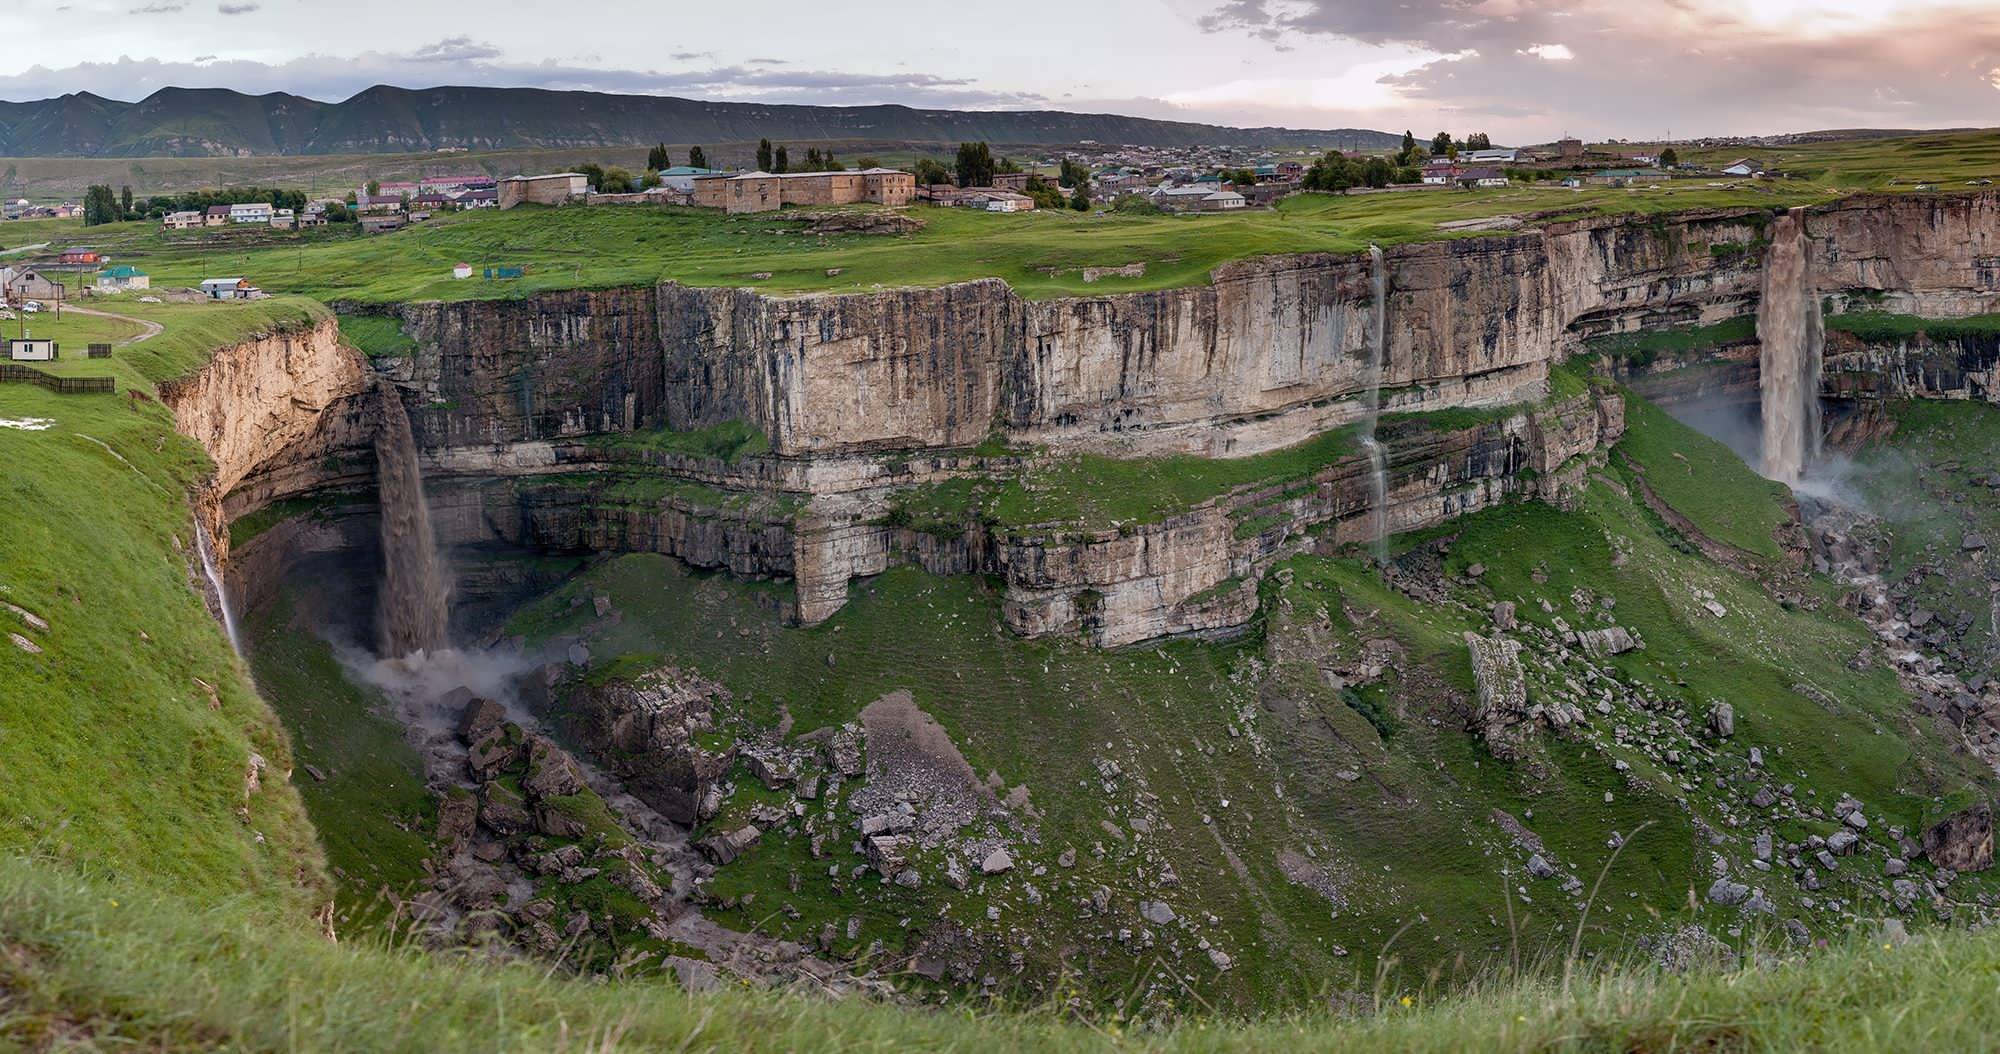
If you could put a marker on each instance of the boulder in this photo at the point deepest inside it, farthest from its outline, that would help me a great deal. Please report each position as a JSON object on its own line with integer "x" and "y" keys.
{"x": 1962, "y": 841}
{"x": 480, "y": 718}
{"x": 694, "y": 975}
{"x": 1611, "y": 640}
{"x": 493, "y": 753}
{"x": 458, "y": 814}
{"x": 552, "y": 773}
{"x": 996, "y": 861}
{"x": 501, "y": 810}
{"x": 726, "y": 847}
{"x": 1727, "y": 893}
{"x": 1156, "y": 912}
{"x": 1722, "y": 720}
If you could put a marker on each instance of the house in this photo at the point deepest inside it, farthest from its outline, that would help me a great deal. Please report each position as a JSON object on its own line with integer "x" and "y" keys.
{"x": 181, "y": 221}
{"x": 1005, "y": 200}
{"x": 377, "y": 204}
{"x": 216, "y": 216}
{"x": 764, "y": 191}
{"x": 556, "y": 188}
{"x": 81, "y": 258}
{"x": 430, "y": 203}
{"x": 310, "y": 218}
{"x": 1746, "y": 166}
{"x": 682, "y": 177}
{"x": 32, "y": 349}
{"x": 478, "y": 198}
{"x": 227, "y": 288}
{"x": 1619, "y": 177}
{"x": 26, "y": 283}
{"x": 1014, "y": 181}
{"x": 284, "y": 219}
{"x": 1224, "y": 199}
{"x": 69, "y": 212}
{"x": 462, "y": 271}
{"x": 251, "y": 212}
{"x": 1481, "y": 177}
{"x": 1569, "y": 148}
{"x": 1502, "y": 155}
{"x": 1440, "y": 172}
{"x": 382, "y": 222}
{"x": 121, "y": 278}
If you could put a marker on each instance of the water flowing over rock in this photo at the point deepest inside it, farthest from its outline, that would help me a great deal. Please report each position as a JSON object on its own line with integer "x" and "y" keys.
{"x": 1793, "y": 336}
{"x": 1378, "y": 459}
{"x": 216, "y": 585}
{"x": 412, "y": 616}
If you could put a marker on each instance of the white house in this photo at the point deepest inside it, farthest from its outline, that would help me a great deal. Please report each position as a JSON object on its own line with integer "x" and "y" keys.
{"x": 181, "y": 221}
{"x": 258, "y": 212}
{"x": 1440, "y": 173}
{"x": 227, "y": 288}
{"x": 462, "y": 271}
{"x": 284, "y": 219}
{"x": 31, "y": 349}
{"x": 1224, "y": 199}
{"x": 121, "y": 278}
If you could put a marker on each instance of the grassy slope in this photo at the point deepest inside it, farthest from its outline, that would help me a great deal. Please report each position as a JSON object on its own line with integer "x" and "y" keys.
{"x": 116, "y": 757}
{"x": 1945, "y": 159}
{"x": 1040, "y": 254}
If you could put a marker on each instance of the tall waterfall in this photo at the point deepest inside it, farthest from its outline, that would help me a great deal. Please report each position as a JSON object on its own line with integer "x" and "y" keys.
{"x": 1371, "y": 381}
{"x": 411, "y": 615}
{"x": 208, "y": 570}
{"x": 1793, "y": 334}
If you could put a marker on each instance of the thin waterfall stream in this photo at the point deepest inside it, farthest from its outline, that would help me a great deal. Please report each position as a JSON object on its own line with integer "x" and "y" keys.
{"x": 208, "y": 569}
{"x": 1371, "y": 381}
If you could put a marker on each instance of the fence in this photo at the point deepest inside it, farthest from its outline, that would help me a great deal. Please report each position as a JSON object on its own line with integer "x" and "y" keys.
{"x": 98, "y": 351}
{"x": 19, "y": 374}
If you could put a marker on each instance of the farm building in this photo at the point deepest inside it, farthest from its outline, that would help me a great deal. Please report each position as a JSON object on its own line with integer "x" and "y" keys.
{"x": 227, "y": 288}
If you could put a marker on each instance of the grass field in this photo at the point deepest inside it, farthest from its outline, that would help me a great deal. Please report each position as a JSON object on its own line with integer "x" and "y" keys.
{"x": 1944, "y": 160}
{"x": 1041, "y": 254}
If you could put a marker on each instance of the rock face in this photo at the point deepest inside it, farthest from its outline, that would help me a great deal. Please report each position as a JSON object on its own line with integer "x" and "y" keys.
{"x": 518, "y": 405}
{"x": 1962, "y": 841}
{"x": 643, "y": 731}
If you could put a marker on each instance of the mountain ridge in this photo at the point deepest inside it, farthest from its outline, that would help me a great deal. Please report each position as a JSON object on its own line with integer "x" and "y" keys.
{"x": 222, "y": 122}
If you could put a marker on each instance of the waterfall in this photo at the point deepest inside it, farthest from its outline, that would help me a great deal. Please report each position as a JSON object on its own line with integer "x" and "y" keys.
{"x": 411, "y": 616}
{"x": 1792, "y": 333}
{"x": 1371, "y": 382}
{"x": 207, "y": 551}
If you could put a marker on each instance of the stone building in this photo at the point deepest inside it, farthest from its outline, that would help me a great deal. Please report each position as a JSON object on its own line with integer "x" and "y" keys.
{"x": 553, "y": 189}
{"x": 764, "y": 192}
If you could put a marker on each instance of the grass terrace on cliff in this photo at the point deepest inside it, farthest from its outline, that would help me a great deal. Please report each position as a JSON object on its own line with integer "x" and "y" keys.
{"x": 1041, "y": 254}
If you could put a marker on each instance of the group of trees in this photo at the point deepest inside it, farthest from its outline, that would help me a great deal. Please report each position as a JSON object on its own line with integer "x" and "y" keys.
{"x": 1335, "y": 171}
{"x": 659, "y": 159}
{"x": 100, "y": 205}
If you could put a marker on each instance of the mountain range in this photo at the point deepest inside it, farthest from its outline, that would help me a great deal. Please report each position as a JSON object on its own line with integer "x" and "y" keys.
{"x": 218, "y": 122}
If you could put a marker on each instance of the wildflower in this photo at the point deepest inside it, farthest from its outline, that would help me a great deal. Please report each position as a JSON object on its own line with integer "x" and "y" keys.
{"x": 1407, "y": 1001}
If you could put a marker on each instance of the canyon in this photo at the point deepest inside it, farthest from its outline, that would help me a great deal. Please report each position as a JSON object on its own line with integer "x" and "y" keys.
{"x": 574, "y": 421}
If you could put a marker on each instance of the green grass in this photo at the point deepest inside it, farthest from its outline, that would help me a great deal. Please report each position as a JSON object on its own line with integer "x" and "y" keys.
{"x": 729, "y": 441}
{"x": 376, "y": 336}
{"x": 1877, "y": 327}
{"x": 116, "y": 758}
{"x": 1704, "y": 480}
{"x": 1644, "y": 346}
{"x": 1945, "y": 160}
{"x": 1040, "y": 254}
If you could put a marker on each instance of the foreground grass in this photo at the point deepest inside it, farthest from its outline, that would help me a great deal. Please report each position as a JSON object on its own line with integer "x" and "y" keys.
{"x": 88, "y": 964}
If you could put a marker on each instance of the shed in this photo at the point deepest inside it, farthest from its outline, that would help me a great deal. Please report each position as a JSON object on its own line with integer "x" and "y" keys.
{"x": 32, "y": 349}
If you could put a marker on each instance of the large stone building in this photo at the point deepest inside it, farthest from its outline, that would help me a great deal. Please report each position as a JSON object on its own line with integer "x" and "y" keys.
{"x": 764, "y": 192}
{"x": 553, "y": 189}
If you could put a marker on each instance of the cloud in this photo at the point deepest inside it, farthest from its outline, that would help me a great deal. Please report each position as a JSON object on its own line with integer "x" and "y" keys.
{"x": 159, "y": 9}
{"x": 464, "y": 60}
{"x": 769, "y": 62}
{"x": 236, "y": 9}
{"x": 1646, "y": 67}
{"x": 690, "y": 56}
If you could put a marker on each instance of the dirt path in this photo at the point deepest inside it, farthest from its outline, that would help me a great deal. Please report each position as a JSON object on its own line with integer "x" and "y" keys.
{"x": 149, "y": 329}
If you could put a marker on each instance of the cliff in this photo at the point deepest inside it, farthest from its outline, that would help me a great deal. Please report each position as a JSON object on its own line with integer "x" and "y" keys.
{"x": 551, "y": 421}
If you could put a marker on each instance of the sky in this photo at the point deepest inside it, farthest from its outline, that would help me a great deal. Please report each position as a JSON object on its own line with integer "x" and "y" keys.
{"x": 1520, "y": 70}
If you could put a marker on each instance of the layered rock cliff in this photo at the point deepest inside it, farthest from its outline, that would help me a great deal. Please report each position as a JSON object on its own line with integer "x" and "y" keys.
{"x": 859, "y": 395}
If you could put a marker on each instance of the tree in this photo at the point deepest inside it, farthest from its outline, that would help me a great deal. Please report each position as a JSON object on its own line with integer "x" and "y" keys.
{"x": 975, "y": 165}
{"x": 1046, "y": 194}
{"x": 374, "y": 187}
{"x": 1080, "y": 201}
{"x": 1377, "y": 172}
{"x": 1409, "y": 174}
{"x": 867, "y": 162}
{"x": 650, "y": 180}
{"x": 764, "y": 160}
{"x": 658, "y": 160}
{"x": 1242, "y": 177}
{"x": 1669, "y": 157}
{"x": 1478, "y": 141}
{"x": 125, "y": 203}
{"x": 1332, "y": 171}
{"x": 697, "y": 158}
{"x": 1441, "y": 144}
{"x": 1409, "y": 144}
{"x": 99, "y": 205}
{"x": 930, "y": 172}
{"x": 616, "y": 180}
{"x": 781, "y": 161}
{"x": 1008, "y": 165}
{"x": 592, "y": 173}
{"x": 338, "y": 213}
{"x": 1074, "y": 173}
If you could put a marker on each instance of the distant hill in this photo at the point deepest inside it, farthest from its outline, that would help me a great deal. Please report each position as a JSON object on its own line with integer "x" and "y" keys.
{"x": 217, "y": 122}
